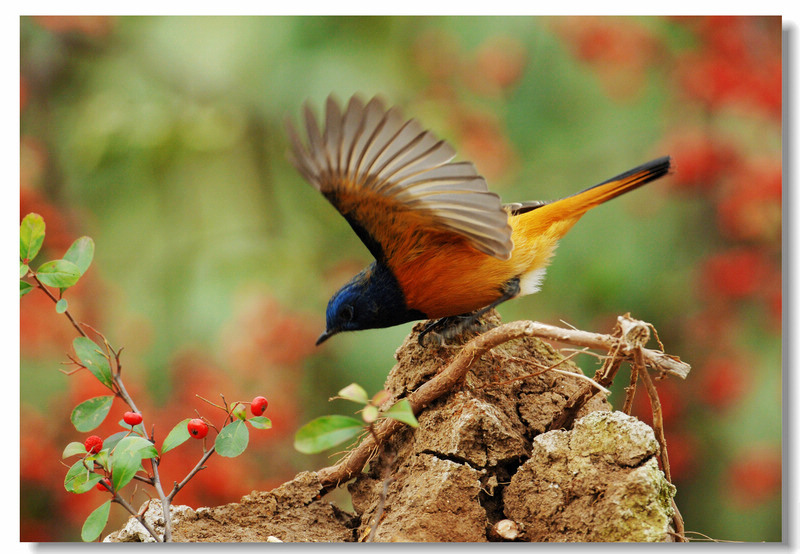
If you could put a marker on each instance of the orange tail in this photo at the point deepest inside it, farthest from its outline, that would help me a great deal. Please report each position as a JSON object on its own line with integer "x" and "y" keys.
{"x": 568, "y": 210}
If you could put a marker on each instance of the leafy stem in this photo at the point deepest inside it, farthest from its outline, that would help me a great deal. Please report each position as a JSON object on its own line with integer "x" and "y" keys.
{"x": 55, "y": 301}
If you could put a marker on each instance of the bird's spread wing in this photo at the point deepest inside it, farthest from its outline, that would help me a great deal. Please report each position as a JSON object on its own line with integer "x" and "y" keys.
{"x": 393, "y": 182}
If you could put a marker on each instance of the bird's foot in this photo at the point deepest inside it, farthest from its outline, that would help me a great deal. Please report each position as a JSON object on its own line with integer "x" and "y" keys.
{"x": 440, "y": 330}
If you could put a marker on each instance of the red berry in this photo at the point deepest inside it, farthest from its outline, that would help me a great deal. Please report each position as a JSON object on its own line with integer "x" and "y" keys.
{"x": 132, "y": 418}
{"x": 197, "y": 428}
{"x": 259, "y": 405}
{"x": 93, "y": 444}
{"x": 101, "y": 487}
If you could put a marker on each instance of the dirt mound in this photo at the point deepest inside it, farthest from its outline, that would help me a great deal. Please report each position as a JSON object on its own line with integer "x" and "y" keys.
{"x": 498, "y": 458}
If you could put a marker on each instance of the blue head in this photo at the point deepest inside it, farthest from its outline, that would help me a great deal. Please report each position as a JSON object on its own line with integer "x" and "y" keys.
{"x": 372, "y": 299}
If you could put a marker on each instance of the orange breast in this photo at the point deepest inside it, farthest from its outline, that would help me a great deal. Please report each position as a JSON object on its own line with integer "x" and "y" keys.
{"x": 449, "y": 277}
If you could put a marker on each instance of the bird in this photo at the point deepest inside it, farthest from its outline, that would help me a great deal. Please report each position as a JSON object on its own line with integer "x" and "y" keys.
{"x": 445, "y": 248}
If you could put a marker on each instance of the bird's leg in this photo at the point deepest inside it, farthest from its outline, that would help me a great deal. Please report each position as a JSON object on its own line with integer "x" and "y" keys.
{"x": 451, "y": 326}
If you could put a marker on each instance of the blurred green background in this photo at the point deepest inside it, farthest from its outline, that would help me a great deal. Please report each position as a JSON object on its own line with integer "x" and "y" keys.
{"x": 163, "y": 139}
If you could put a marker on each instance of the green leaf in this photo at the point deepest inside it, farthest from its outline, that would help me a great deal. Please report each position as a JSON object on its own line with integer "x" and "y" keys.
{"x": 355, "y": 393}
{"x": 61, "y": 306}
{"x": 326, "y": 432}
{"x": 96, "y": 522}
{"x": 232, "y": 439}
{"x": 260, "y": 422}
{"x": 74, "y": 449}
{"x": 401, "y": 411}
{"x": 93, "y": 358}
{"x": 84, "y": 482}
{"x": 75, "y": 469}
{"x": 31, "y": 236}
{"x": 111, "y": 442}
{"x": 58, "y": 273}
{"x": 176, "y": 437}
{"x": 135, "y": 443}
{"x": 23, "y": 270}
{"x": 24, "y": 288}
{"x": 89, "y": 414}
{"x": 81, "y": 253}
{"x": 79, "y": 479}
{"x": 101, "y": 458}
{"x": 126, "y": 459}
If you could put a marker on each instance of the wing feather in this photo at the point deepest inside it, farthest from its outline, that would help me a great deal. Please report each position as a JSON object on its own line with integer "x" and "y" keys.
{"x": 392, "y": 179}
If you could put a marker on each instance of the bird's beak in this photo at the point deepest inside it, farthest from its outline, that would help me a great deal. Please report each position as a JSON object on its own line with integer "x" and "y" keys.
{"x": 325, "y": 336}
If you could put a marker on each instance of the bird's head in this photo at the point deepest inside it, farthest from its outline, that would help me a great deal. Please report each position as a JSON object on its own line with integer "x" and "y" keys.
{"x": 372, "y": 299}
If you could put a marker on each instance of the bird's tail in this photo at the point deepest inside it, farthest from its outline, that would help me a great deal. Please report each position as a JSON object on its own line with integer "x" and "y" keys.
{"x": 568, "y": 210}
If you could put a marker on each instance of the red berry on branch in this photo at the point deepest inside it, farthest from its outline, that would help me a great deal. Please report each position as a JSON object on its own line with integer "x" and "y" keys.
{"x": 197, "y": 428}
{"x": 93, "y": 444}
{"x": 104, "y": 485}
{"x": 132, "y": 418}
{"x": 259, "y": 405}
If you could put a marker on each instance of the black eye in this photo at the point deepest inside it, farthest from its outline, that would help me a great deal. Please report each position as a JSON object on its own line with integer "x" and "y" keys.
{"x": 347, "y": 312}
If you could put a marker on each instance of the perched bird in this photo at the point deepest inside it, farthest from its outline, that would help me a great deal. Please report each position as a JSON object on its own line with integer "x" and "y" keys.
{"x": 445, "y": 248}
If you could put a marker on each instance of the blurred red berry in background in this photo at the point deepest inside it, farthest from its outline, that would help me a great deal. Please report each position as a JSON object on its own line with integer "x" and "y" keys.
{"x": 723, "y": 382}
{"x": 751, "y": 209}
{"x": 736, "y": 273}
{"x": 701, "y": 160}
{"x": 499, "y": 65}
{"x": 754, "y": 476}
{"x": 97, "y": 25}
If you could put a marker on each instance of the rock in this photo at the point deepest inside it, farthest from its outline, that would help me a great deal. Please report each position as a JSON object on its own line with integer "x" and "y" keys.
{"x": 598, "y": 482}
{"x": 134, "y": 531}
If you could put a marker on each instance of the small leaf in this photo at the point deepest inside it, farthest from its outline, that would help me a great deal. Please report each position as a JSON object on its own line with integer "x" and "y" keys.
{"x": 89, "y": 414}
{"x": 176, "y": 437}
{"x": 126, "y": 459}
{"x": 101, "y": 458}
{"x": 79, "y": 479}
{"x": 232, "y": 439}
{"x": 61, "y": 306}
{"x": 24, "y": 288}
{"x": 75, "y": 469}
{"x": 369, "y": 414}
{"x": 380, "y": 397}
{"x": 355, "y": 393}
{"x": 81, "y": 253}
{"x": 326, "y": 432}
{"x": 240, "y": 412}
{"x": 260, "y": 422}
{"x": 23, "y": 270}
{"x": 401, "y": 411}
{"x": 96, "y": 522}
{"x": 93, "y": 358}
{"x": 31, "y": 236}
{"x": 74, "y": 449}
{"x": 84, "y": 482}
{"x": 58, "y": 273}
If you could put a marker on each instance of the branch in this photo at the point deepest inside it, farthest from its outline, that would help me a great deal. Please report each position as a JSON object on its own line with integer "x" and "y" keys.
{"x": 198, "y": 467}
{"x": 54, "y": 299}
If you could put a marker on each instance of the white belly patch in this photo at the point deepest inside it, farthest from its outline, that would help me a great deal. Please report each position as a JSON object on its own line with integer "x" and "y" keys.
{"x": 532, "y": 281}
